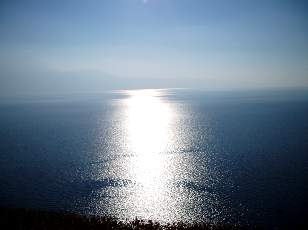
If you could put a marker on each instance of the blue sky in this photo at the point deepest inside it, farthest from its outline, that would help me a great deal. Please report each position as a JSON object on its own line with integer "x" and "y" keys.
{"x": 93, "y": 45}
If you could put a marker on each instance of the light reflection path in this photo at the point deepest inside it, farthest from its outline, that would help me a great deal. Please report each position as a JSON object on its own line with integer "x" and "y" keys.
{"x": 167, "y": 179}
{"x": 149, "y": 137}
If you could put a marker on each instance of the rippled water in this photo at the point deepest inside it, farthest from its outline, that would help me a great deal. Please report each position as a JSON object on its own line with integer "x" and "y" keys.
{"x": 167, "y": 155}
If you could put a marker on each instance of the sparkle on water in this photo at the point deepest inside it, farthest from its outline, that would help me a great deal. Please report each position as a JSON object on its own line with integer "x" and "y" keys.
{"x": 154, "y": 159}
{"x": 148, "y": 126}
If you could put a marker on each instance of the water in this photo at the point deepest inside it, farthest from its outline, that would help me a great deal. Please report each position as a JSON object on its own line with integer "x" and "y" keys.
{"x": 165, "y": 155}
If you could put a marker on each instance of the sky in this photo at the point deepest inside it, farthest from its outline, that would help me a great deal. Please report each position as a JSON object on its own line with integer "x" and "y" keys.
{"x": 69, "y": 46}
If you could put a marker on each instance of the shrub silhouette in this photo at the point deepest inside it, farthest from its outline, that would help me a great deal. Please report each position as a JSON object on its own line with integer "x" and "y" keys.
{"x": 23, "y": 219}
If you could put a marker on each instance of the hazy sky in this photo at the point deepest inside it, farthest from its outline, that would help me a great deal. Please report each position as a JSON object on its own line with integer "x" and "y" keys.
{"x": 93, "y": 45}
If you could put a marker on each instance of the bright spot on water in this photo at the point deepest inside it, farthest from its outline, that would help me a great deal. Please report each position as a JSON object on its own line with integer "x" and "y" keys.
{"x": 163, "y": 176}
{"x": 148, "y": 137}
{"x": 148, "y": 124}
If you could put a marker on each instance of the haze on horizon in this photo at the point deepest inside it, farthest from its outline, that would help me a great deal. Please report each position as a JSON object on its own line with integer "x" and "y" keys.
{"x": 90, "y": 46}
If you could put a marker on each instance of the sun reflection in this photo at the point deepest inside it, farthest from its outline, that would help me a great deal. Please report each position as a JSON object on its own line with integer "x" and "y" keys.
{"x": 148, "y": 121}
{"x": 149, "y": 137}
{"x": 157, "y": 172}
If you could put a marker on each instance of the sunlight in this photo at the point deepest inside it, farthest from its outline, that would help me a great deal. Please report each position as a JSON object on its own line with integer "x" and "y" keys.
{"x": 148, "y": 133}
{"x": 148, "y": 121}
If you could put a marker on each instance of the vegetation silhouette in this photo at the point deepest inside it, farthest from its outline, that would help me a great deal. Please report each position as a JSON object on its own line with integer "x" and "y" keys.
{"x": 36, "y": 219}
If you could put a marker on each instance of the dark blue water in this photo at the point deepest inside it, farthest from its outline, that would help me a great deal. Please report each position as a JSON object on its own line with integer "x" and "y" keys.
{"x": 168, "y": 155}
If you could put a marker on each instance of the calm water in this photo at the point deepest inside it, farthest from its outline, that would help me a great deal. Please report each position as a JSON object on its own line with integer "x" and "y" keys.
{"x": 167, "y": 155}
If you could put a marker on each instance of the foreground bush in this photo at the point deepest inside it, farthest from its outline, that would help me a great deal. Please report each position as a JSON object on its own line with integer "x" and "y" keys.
{"x": 31, "y": 219}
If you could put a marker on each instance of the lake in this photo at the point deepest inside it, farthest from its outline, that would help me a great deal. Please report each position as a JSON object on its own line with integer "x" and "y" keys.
{"x": 237, "y": 157}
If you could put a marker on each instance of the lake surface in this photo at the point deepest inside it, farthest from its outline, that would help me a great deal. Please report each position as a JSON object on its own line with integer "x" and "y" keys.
{"x": 165, "y": 155}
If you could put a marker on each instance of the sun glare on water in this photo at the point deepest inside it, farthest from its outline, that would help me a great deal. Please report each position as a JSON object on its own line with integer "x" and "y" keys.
{"x": 154, "y": 161}
{"x": 149, "y": 134}
{"x": 148, "y": 121}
